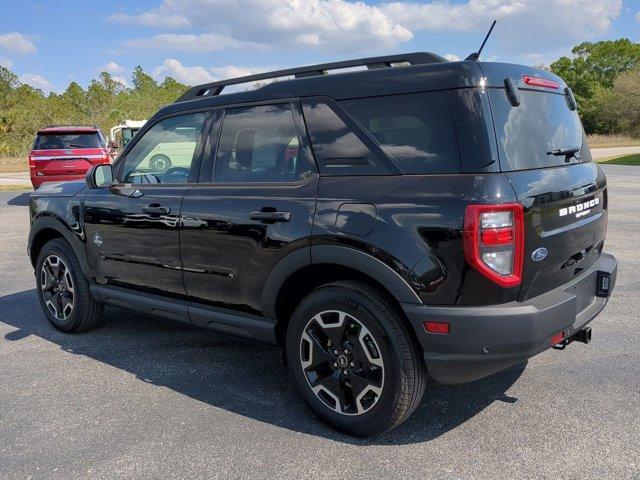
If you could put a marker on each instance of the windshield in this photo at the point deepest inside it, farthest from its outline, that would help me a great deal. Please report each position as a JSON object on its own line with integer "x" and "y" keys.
{"x": 541, "y": 132}
{"x": 54, "y": 141}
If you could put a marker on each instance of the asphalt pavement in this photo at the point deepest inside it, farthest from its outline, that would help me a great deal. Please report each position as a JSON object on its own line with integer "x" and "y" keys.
{"x": 147, "y": 398}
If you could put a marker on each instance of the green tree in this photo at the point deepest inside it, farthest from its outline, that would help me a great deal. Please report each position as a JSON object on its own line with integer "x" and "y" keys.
{"x": 592, "y": 71}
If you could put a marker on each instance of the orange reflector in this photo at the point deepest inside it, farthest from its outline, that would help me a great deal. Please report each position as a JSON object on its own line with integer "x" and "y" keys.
{"x": 437, "y": 327}
{"x": 557, "y": 338}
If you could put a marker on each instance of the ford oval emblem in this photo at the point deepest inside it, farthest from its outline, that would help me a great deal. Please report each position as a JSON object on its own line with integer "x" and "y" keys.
{"x": 539, "y": 254}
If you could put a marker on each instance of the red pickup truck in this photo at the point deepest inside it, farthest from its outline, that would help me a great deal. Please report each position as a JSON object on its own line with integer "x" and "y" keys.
{"x": 62, "y": 153}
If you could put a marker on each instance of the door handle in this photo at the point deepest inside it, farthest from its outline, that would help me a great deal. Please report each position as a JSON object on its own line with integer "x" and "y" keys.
{"x": 156, "y": 210}
{"x": 270, "y": 217}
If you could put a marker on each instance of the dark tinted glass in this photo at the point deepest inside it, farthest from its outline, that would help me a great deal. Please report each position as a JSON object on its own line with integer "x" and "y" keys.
{"x": 165, "y": 153}
{"x": 259, "y": 144}
{"x": 541, "y": 124}
{"x": 337, "y": 149}
{"x": 474, "y": 130}
{"x": 47, "y": 141}
{"x": 416, "y": 130}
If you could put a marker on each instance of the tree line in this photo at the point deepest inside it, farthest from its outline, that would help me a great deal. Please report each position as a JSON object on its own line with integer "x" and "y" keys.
{"x": 604, "y": 77}
{"x": 105, "y": 102}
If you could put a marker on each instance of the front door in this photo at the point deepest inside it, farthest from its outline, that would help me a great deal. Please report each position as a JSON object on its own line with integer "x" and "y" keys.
{"x": 256, "y": 207}
{"x": 132, "y": 228}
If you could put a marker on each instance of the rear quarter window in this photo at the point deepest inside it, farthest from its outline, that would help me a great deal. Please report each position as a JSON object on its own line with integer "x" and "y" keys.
{"x": 416, "y": 130}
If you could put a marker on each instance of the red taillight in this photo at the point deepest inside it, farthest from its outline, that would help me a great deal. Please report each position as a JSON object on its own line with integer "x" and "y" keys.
{"x": 497, "y": 236}
{"x": 539, "y": 82}
{"x": 557, "y": 338}
{"x": 32, "y": 161}
{"x": 494, "y": 241}
{"x": 437, "y": 327}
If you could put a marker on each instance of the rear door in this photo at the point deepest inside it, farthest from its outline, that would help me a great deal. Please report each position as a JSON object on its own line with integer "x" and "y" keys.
{"x": 544, "y": 153}
{"x": 254, "y": 206}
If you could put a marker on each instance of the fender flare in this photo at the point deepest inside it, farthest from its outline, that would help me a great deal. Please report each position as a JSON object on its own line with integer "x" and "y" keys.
{"x": 339, "y": 255}
{"x": 54, "y": 223}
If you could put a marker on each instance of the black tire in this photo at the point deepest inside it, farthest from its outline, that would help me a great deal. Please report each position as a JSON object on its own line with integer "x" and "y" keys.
{"x": 404, "y": 374}
{"x": 85, "y": 313}
{"x": 160, "y": 162}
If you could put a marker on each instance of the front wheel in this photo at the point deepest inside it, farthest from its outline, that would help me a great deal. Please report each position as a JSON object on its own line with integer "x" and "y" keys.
{"x": 353, "y": 359}
{"x": 63, "y": 290}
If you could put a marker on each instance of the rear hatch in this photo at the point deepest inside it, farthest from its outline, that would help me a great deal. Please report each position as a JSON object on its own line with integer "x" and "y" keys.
{"x": 544, "y": 154}
{"x": 67, "y": 153}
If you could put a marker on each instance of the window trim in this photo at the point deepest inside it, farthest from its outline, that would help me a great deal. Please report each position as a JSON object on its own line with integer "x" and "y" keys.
{"x": 296, "y": 109}
{"x": 196, "y": 163}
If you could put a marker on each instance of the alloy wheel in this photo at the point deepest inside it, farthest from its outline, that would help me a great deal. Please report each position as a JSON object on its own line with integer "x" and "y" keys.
{"x": 56, "y": 284}
{"x": 342, "y": 362}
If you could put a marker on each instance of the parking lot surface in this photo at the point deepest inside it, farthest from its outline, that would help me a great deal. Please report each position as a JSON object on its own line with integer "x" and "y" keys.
{"x": 146, "y": 398}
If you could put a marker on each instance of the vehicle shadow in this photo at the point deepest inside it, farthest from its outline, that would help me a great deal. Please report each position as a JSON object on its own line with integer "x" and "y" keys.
{"x": 21, "y": 200}
{"x": 239, "y": 376}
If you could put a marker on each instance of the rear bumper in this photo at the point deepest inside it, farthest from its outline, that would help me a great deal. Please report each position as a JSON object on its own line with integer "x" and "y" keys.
{"x": 36, "y": 181}
{"x": 487, "y": 339}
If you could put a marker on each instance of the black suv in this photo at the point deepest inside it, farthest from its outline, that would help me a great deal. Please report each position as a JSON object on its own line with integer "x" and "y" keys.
{"x": 412, "y": 218}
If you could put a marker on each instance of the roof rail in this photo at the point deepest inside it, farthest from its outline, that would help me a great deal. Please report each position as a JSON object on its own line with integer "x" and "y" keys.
{"x": 214, "y": 88}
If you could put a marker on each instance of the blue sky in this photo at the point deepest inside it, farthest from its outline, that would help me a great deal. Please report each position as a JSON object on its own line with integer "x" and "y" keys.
{"x": 50, "y": 43}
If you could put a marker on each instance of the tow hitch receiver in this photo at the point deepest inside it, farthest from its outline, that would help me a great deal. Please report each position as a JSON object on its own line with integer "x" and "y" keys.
{"x": 582, "y": 336}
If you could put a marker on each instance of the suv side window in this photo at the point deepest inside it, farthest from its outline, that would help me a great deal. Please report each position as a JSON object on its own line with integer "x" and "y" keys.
{"x": 165, "y": 153}
{"x": 337, "y": 148}
{"x": 416, "y": 129}
{"x": 260, "y": 144}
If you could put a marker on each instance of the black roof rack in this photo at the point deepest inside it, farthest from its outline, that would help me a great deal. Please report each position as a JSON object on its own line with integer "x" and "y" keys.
{"x": 214, "y": 88}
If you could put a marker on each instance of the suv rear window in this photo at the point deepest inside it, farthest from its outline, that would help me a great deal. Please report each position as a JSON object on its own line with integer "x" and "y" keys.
{"x": 529, "y": 133}
{"x": 416, "y": 130}
{"x": 54, "y": 141}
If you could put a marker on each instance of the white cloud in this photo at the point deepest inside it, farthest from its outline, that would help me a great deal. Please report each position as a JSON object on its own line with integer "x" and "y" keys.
{"x": 206, "y": 42}
{"x": 17, "y": 43}
{"x": 36, "y": 81}
{"x": 121, "y": 80}
{"x": 534, "y": 24}
{"x": 6, "y": 62}
{"x": 232, "y": 71}
{"x": 112, "y": 68}
{"x": 334, "y": 23}
{"x": 197, "y": 75}
{"x": 188, "y": 75}
{"x": 452, "y": 57}
{"x": 155, "y": 18}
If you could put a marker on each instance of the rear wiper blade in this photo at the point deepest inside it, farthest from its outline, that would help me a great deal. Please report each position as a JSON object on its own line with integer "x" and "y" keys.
{"x": 564, "y": 152}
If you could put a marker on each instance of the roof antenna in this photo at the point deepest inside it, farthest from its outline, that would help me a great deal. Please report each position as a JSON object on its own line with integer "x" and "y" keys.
{"x": 476, "y": 55}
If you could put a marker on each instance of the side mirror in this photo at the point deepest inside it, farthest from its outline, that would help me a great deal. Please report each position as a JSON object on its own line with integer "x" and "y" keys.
{"x": 100, "y": 176}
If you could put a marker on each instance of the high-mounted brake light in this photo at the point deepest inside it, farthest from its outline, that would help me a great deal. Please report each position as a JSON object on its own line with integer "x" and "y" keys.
{"x": 540, "y": 82}
{"x": 494, "y": 241}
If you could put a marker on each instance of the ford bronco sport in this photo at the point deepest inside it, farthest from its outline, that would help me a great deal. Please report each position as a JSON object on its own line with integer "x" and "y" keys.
{"x": 416, "y": 218}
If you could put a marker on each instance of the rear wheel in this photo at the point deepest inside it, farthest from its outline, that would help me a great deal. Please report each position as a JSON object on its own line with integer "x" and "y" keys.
{"x": 353, "y": 359}
{"x": 63, "y": 290}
